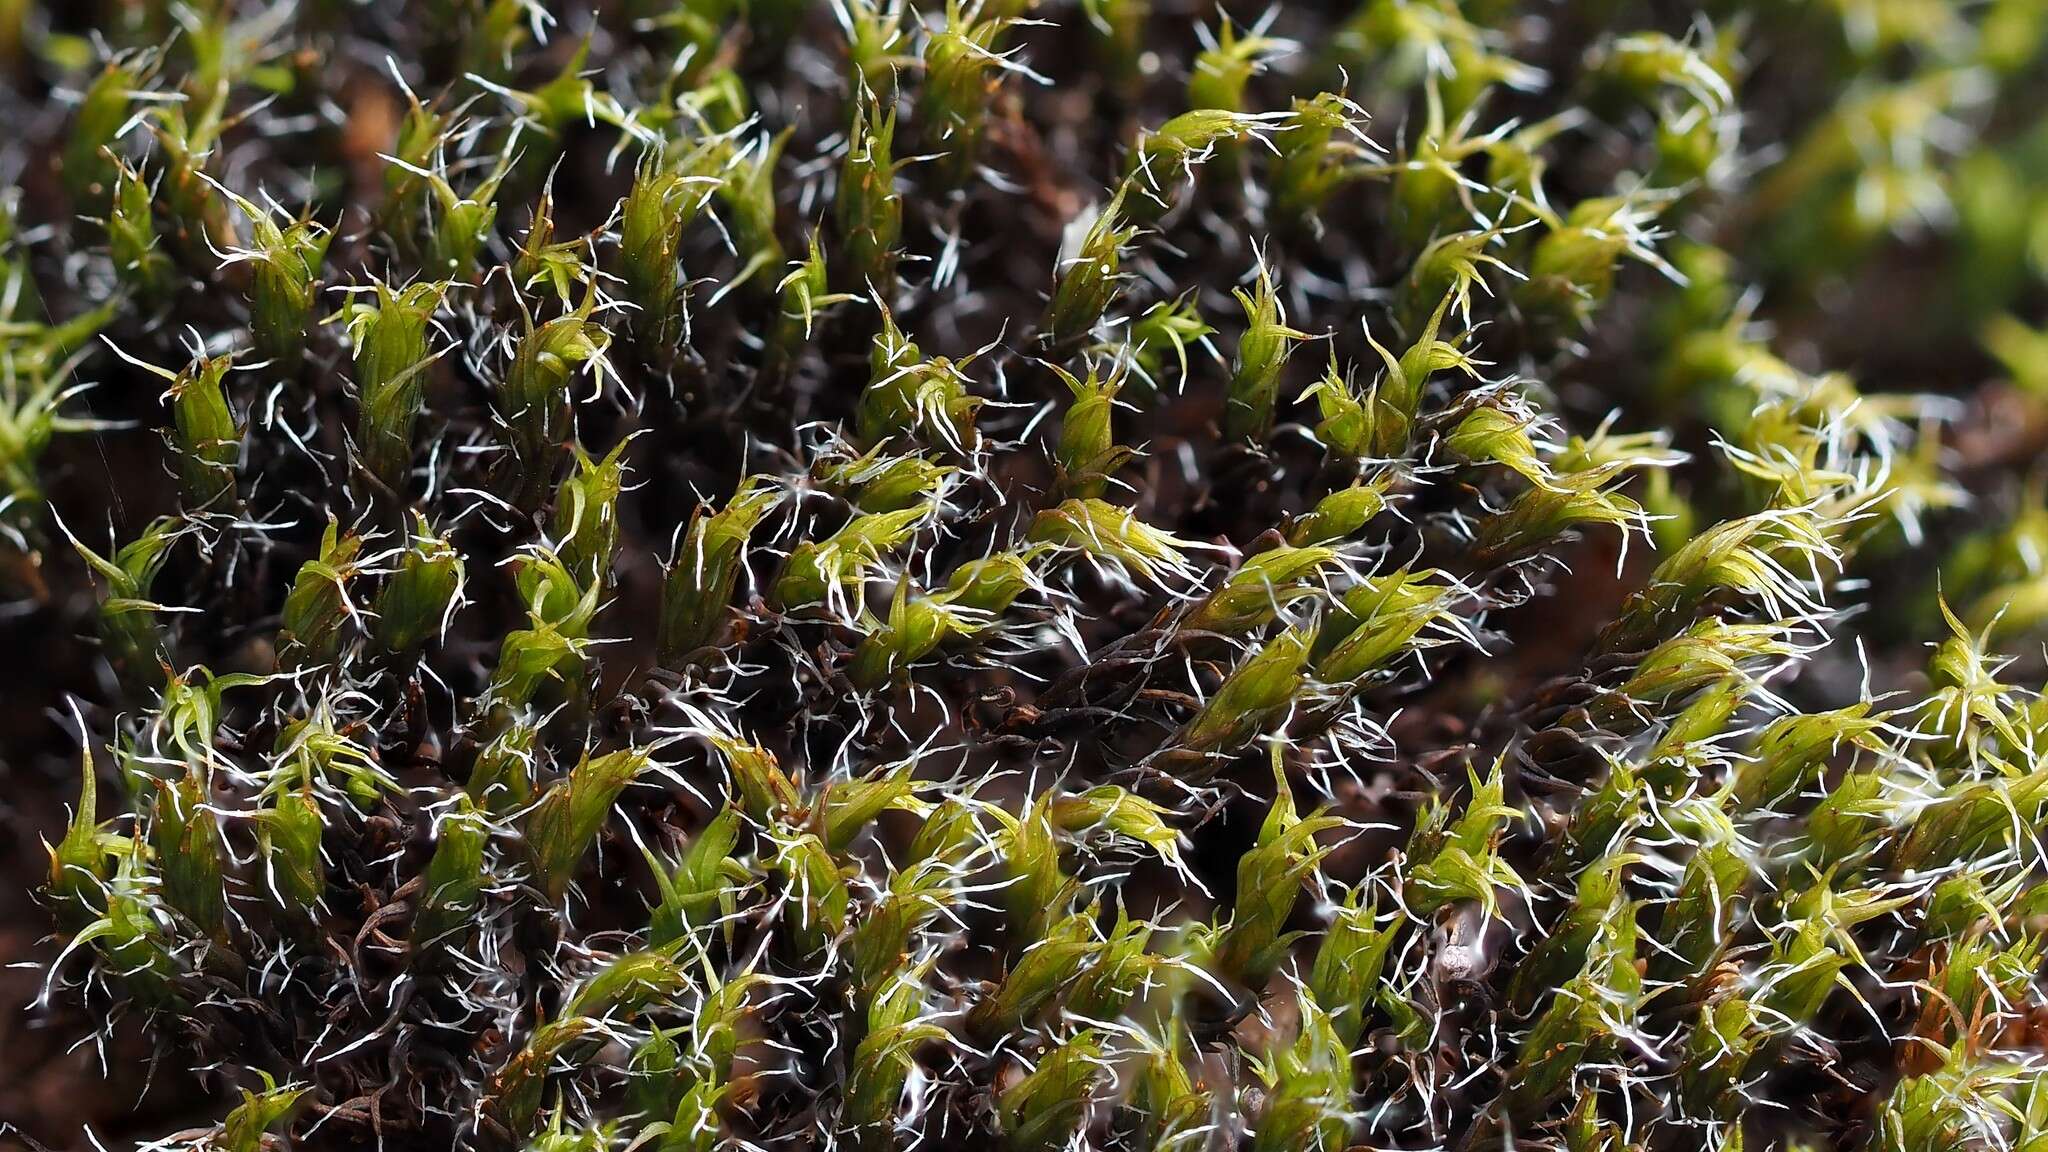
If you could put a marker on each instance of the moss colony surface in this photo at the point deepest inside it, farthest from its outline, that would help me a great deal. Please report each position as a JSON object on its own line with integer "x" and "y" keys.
{"x": 1115, "y": 575}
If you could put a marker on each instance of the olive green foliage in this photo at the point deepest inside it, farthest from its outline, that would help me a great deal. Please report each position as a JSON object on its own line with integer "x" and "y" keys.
{"x": 1040, "y": 574}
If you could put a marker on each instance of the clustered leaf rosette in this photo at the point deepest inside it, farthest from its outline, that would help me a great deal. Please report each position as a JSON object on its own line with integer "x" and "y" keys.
{"x": 1050, "y": 577}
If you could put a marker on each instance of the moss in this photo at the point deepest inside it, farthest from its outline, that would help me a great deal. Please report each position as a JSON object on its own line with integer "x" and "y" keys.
{"x": 1041, "y": 575}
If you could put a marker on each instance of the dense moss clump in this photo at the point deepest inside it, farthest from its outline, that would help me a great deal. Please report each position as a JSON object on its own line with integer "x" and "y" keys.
{"x": 1045, "y": 575}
